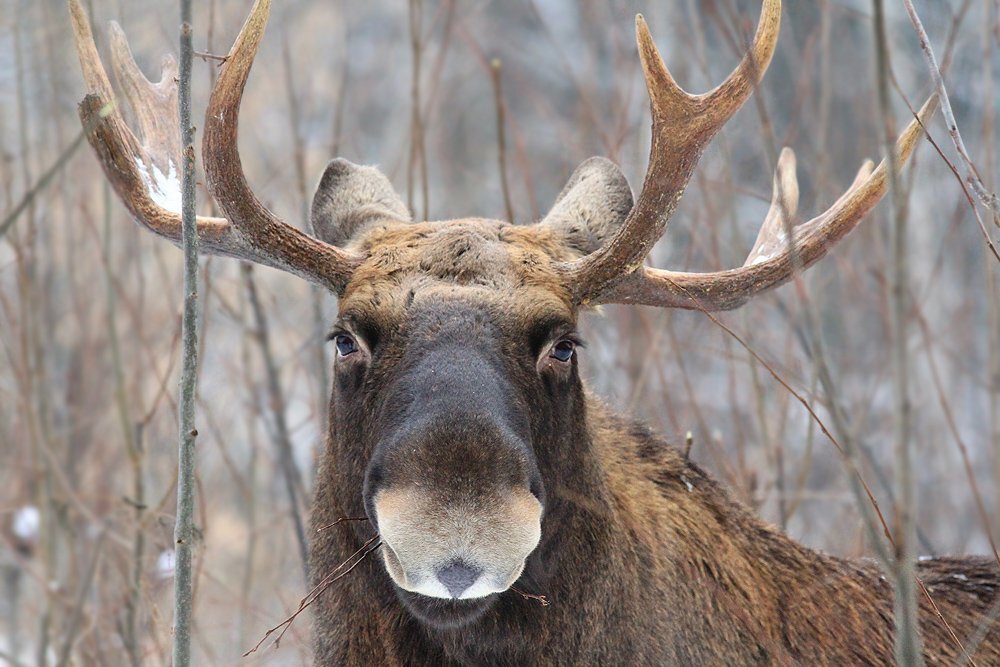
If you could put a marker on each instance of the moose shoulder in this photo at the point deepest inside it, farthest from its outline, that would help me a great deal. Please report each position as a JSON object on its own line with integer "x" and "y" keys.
{"x": 460, "y": 428}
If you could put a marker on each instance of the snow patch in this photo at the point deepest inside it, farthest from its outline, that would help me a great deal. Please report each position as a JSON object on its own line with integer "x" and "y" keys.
{"x": 164, "y": 189}
{"x": 26, "y": 522}
{"x": 762, "y": 257}
{"x": 770, "y": 249}
{"x": 165, "y": 564}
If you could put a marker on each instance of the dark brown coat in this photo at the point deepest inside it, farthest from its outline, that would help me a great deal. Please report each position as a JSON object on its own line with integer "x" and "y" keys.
{"x": 644, "y": 558}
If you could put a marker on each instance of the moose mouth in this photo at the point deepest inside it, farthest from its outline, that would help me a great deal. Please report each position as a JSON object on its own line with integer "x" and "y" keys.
{"x": 442, "y": 613}
{"x": 456, "y": 607}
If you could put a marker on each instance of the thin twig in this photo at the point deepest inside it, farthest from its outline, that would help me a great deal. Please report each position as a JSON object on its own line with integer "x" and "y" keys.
{"x": 319, "y": 589}
{"x": 341, "y": 520}
{"x": 418, "y": 155}
{"x": 849, "y": 448}
{"x": 42, "y": 183}
{"x": 953, "y": 427}
{"x": 184, "y": 530}
{"x": 131, "y": 435}
{"x": 988, "y": 199}
{"x": 848, "y": 458}
{"x": 211, "y": 56}
{"x": 908, "y": 642}
{"x": 958, "y": 177}
{"x": 76, "y": 616}
{"x": 541, "y": 599}
{"x": 316, "y": 293}
{"x": 991, "y": 271}
{"x": 501, "y": 142}
{"x": 282, "y": 435}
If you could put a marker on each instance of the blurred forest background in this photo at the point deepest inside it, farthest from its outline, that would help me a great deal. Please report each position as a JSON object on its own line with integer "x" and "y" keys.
{"x": 89, "y": 303}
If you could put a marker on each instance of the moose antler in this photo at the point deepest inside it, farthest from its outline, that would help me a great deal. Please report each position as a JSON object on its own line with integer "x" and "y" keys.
{"x": 683, "y": 124}
{"x": 145, "y": 173}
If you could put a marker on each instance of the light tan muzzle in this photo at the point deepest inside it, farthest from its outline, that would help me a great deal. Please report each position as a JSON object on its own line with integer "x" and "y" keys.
{"x": 456, "y": 550}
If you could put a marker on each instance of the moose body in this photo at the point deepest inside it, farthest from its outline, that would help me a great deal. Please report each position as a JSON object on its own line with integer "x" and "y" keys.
{"x": 643, "y": 558}
{"x": 490, "y": 480}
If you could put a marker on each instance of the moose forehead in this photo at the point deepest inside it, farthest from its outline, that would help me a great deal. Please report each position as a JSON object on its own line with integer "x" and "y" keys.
{"x": 492, "y": 263}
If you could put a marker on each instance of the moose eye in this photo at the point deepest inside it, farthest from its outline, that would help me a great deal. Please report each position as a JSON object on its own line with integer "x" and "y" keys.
{"x": 345, "y": 345}
{"x": 563, "y": 350}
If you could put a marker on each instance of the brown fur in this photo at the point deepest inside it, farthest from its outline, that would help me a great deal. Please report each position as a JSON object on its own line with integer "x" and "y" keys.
{"x": 653, "y": 573}
{"x": 644, "y": 558}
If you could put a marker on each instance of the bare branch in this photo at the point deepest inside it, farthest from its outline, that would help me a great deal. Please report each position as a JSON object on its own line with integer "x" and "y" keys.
{"x": 184, "y": 529}
{"x": 988, "y": 199}
{"x": 495, "y": 71}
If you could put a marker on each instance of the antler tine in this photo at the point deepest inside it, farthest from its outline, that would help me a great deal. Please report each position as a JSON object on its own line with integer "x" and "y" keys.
{"x": 784, "y": 203}
{"x": 724, "y": 290}
{"x": 154, "y": 104}
{"x": 284, "y": 245}
{"x": 90, "y": 61}
{"x": 683, "y": 124}
{"x": 127, "y": 165}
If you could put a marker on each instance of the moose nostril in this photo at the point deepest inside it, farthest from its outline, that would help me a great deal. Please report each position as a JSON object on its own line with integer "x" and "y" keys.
{"x": 458, "y": 576}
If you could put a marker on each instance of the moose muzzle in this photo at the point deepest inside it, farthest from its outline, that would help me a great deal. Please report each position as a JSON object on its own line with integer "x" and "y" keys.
{"x": 453, "y": 485}
{"x": 457, "y": 548}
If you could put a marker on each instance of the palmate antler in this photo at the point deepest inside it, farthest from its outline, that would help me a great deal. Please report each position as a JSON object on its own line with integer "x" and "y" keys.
{"x": 145, "y": 176}
{"x": 683, "y": 124}
{"x": 145, "y": 173}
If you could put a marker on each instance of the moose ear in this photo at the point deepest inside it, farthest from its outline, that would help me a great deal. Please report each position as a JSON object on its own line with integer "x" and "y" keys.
{"x": 592, "y": 206}
{"x": 349, "y": 198}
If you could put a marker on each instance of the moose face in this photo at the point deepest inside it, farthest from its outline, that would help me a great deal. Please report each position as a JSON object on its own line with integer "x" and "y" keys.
{"x": 455, "y": 378}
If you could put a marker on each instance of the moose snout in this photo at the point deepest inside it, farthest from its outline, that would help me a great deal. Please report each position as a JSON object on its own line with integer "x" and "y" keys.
{"x": 456, "y": 548}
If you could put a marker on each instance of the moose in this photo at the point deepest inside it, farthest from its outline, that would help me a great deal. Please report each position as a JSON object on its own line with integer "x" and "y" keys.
{"x": 460, "y": 428}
